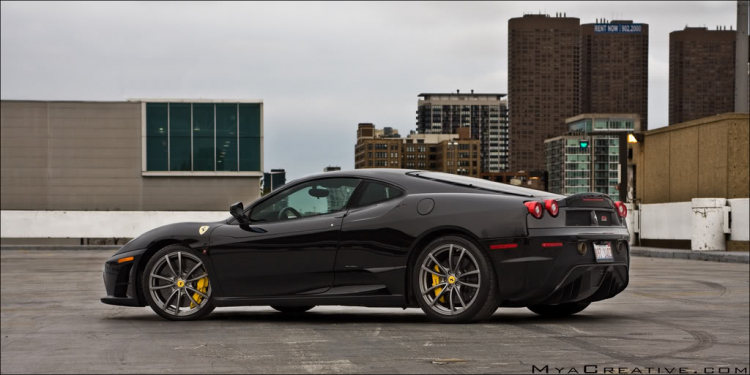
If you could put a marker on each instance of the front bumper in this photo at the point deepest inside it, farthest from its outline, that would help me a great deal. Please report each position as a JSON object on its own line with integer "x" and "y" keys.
{"x": 120, "y": 280}
{"x": 534, "y": 275}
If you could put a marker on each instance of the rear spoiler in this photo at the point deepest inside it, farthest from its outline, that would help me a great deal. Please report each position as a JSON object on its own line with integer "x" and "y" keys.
{"x": 588, "y": 200}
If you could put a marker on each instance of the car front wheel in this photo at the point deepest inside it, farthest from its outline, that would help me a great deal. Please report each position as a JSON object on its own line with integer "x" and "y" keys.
{"x": 176, "y": 284}
{"x": 454, "y": 281}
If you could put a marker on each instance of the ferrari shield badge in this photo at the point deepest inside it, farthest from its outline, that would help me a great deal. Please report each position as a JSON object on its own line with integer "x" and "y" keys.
{"x": 203, "y": 229}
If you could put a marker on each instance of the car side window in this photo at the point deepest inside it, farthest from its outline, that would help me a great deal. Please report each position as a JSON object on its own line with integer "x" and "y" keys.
{"x": 311, "y": 198}
{"x": 376, "y": 192}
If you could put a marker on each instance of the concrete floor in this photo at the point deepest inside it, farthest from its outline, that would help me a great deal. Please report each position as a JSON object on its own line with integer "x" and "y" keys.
{"x": 675, "y": 314}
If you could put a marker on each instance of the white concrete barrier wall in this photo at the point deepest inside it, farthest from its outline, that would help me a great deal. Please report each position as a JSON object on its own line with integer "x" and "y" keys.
{"x": 94, "y": 224}
{"x": 666, "y": 221}
{"x": 674, "y": 221}
{"x": 740, "y": 219}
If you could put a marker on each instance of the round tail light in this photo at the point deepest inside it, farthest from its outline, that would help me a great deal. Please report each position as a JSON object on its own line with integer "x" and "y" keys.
{"x": 535, "y": 209}
{"x": 621, "y": 209}
{"x": 552, "y": 207}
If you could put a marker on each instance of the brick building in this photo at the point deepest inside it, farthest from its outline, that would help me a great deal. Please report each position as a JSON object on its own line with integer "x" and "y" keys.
{"x": 543, "y": 84}
{"x": 614, "y": 69}
{"x": 485, "y": 116}
{"x": 449, "y": 153}
{"x": 701, "y": 73}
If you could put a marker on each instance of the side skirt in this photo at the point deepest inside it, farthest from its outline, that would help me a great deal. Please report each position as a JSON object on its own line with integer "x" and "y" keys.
{"x": 365, "y": 301}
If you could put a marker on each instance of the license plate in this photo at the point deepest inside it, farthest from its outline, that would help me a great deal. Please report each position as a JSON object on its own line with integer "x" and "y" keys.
{"x": 603, "y": 252}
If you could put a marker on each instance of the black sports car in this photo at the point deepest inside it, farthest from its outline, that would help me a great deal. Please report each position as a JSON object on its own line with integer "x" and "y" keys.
{"x": 458, "y": 247}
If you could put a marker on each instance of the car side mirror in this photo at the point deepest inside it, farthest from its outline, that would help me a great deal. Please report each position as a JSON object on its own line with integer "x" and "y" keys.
{"x": 238, "y": 212}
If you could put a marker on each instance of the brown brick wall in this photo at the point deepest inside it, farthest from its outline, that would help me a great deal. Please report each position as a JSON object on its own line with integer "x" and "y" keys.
{"x": 704, "y": 158}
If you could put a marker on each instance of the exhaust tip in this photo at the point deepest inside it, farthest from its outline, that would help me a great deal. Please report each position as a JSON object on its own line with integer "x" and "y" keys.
{"x": 582, "y": 248}
{"x": 621, "y": 247}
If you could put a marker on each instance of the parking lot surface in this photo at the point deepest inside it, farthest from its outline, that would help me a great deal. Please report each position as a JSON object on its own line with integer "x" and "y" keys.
{"x": 676, "y": 314}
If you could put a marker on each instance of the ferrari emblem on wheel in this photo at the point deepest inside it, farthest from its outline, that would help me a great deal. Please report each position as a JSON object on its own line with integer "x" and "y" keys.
{"x": 203, "y": 229}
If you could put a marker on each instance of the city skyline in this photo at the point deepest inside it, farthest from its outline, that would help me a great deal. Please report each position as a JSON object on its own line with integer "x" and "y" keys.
{"x": 320, "y": 68}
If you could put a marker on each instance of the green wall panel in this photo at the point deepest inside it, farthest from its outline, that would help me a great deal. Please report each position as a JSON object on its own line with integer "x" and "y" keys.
{"x": 226, "y": 137}
{"x": 179, "y": 137}
{"x": 203, "y": 137}
{"x": 156, "y": 136}
{"x": 250, "y": 146}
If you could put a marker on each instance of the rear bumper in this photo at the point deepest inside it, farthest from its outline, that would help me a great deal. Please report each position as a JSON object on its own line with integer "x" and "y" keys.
{"x": 120, "y": 280}
{"x": 530, "y": 274}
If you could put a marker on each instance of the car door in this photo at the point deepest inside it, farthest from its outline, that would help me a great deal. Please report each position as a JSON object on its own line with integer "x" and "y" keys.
{"x": 372, "y": 246}
{"x": 290, "y": 245}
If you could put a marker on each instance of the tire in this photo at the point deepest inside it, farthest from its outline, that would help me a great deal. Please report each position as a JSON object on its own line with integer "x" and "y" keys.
{"x": 559, "y": 311}
{"x": 163, "y": 290}
{"x": 466, "y": 293}
{"x": 292, "y": 309}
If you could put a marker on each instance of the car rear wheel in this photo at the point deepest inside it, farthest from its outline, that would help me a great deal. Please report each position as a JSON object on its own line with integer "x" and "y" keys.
{"x": 292, "y": 309}
{"x": 561, "y": 310}
{"x": 454, "y": 281}
{"x": 176, "y": 284}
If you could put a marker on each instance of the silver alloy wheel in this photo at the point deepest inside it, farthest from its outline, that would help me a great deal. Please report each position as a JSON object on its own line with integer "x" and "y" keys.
{"x": 451, "y": 273}
{"x": 169, "y": 283}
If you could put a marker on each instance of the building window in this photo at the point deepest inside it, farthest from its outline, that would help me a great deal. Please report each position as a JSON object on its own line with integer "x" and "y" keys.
{"x": 180, "y": 157}
{"x": 226, "y": 137}
{"x": 203, "y": 137}
{"x": 157, "y": 137}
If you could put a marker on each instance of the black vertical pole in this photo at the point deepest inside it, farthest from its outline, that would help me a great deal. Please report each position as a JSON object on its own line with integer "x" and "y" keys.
{"x": 623, "y": 153}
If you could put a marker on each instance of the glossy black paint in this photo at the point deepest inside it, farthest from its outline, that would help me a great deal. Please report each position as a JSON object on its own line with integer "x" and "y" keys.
{"x": 276, "y": 259}
{"x": 362, "y": 255}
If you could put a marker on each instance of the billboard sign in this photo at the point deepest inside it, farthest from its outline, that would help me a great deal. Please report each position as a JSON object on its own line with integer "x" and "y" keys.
{"x": 618, "y": 28}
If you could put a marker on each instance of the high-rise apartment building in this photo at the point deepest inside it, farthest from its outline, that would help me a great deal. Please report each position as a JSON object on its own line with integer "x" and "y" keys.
{"x": 449, "y": 153}
{"x": 742, "y": 59}
{"x": 588, "y": 157}
{"x": 543, "y": 84}
{"x": 701, "y": 73}
{"x": 614, "y": 68}
{"x": 484, "y": 115}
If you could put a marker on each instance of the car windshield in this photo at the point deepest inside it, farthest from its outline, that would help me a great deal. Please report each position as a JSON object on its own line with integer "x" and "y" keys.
{"x": 478, "y": 183}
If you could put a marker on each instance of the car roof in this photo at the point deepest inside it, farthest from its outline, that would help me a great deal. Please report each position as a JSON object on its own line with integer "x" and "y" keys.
{"x": 401, "y": 177}
{"x": 397, "y": 176}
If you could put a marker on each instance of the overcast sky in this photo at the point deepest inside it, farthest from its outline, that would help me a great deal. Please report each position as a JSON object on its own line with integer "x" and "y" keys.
{"x": 320, "y": 68}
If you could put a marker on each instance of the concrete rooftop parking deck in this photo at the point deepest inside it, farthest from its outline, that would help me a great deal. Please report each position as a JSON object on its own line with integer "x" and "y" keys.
{"x": 675, "y": 314}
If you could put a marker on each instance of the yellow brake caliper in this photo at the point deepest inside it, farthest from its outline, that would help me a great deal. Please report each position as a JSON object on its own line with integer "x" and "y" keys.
{"x": 201, "y": 287}
{"x": 436, "y": 281}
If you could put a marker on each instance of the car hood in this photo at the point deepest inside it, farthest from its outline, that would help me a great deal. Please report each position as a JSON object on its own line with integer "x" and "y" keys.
{"x": 193, "y": 234}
